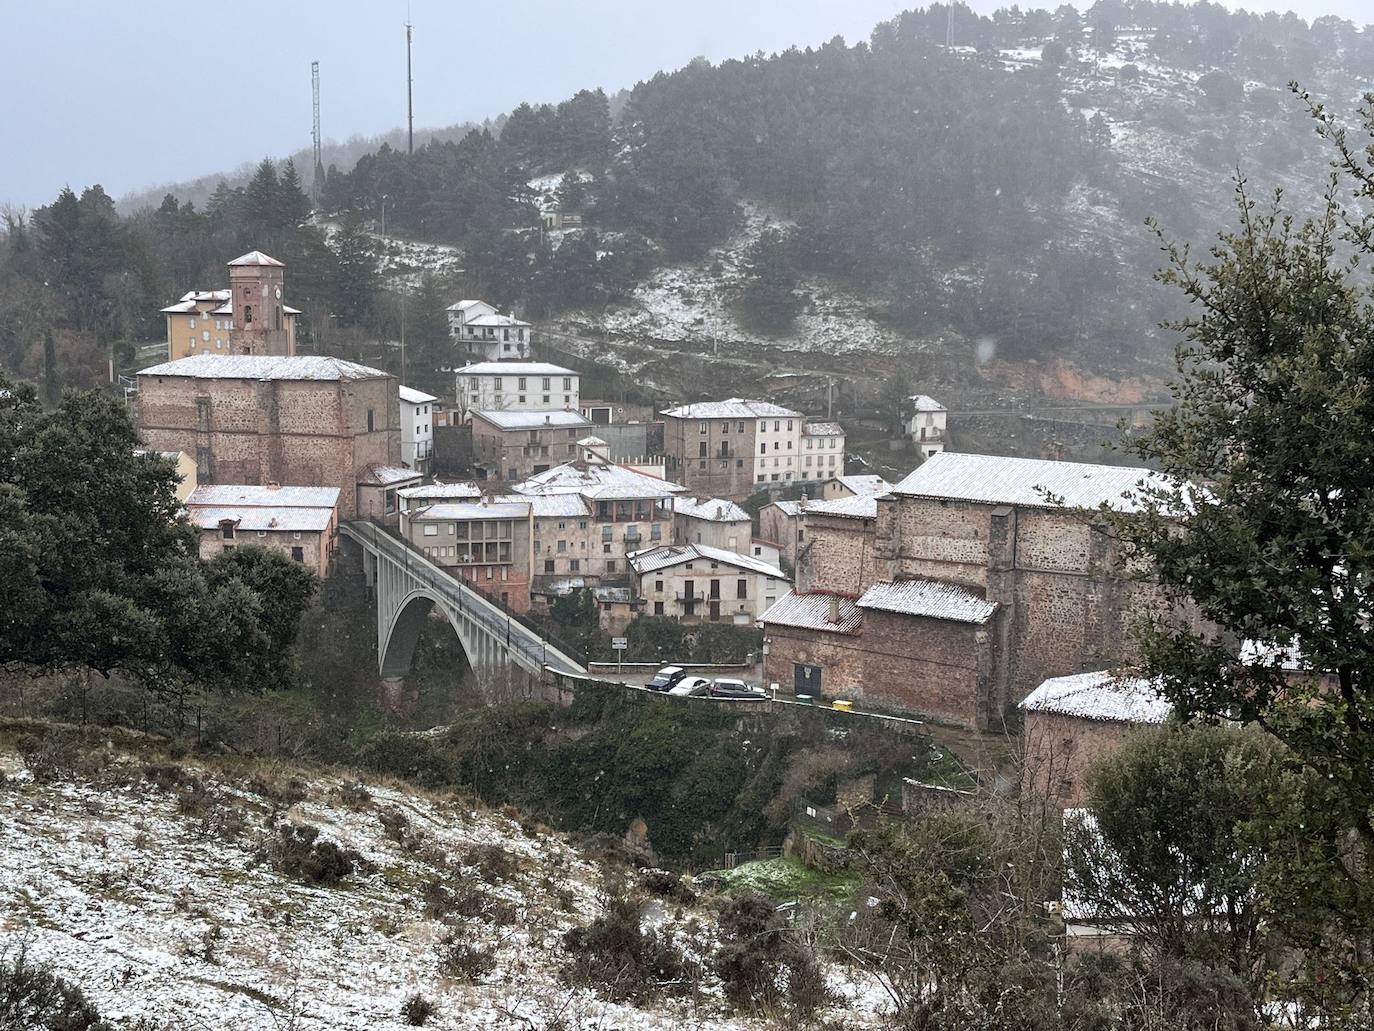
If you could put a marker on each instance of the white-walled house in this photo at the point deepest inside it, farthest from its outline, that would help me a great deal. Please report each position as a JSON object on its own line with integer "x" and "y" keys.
{"x": 482, "y": 331}
{"x": 777, "y": 441}
{"x": 928, "y": 424}
{"x": 697, "y": 583}
{"x": 822, "y": 451}
{"x": 517, "y": 387}
{"x": 417, "y": 429}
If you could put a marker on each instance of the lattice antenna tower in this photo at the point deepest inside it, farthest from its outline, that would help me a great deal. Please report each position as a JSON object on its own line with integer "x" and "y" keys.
{"x": 316, "y": 180}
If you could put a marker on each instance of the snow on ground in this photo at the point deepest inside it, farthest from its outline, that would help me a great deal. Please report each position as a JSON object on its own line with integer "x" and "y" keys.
{"x": 404, "y": 262}
{"x": 165, "y": 912}
{"x": 695, "y": 304}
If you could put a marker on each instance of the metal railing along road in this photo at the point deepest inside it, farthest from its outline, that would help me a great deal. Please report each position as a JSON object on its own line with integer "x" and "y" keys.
{"x": 466, "y": 601}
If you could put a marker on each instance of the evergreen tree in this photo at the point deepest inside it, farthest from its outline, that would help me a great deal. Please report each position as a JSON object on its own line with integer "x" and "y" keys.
{"x": 357, "y": 278}
{"x": 52, "y": 377}
{"x": 294, "y": 205}
{"x": 429, "y": 350}
{"x": 770, "y": 300}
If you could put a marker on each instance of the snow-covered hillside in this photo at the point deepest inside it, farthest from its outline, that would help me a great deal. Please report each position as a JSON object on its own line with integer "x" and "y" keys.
{"x": 158, "y": 888}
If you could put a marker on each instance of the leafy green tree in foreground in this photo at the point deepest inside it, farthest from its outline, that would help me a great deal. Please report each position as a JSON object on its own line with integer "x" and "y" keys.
{"x": 101, "y": 573}
{"x": 1274, "y": 400}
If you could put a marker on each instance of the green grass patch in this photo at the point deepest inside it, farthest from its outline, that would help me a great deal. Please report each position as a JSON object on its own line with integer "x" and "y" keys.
{"x": 786, "y": 878}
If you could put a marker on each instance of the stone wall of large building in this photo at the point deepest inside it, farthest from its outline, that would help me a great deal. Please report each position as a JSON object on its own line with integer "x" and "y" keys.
{"x": 1057, "y": 574}
{"x": 929, "y": 666}
{"x": 305, "y": 432}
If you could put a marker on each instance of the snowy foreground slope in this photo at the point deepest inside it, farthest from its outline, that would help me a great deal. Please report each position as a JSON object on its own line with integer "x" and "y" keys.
{"x": 145, "y": 883}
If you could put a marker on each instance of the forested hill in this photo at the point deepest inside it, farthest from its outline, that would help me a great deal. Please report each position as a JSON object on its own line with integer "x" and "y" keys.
{"x": 995, "y": 187}
{"x": 953, "y": 179}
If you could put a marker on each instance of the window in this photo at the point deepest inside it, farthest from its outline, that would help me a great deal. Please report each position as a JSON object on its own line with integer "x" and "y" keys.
{"x": 520, "y": 383}
{"x": 658, "y": 608}
{"x": 701, "y": 426}
{"x": 548, "y": 565}
{"x": 789, "y": 424}
{"x": 655, "y": 532}
{"x": 546, "y": 398}
{"x": 370, "y": 426}
{"x": 658, "y": 586}
{"x": 739, "y": 428}
{"x": 763, "y": 447}
{"x": 298, "y": 554}
{"x": 567, "y": 382}
{"x": 203, "y": 413}
{"x": 431, "y": 529}
{"x": 562, "y": 547}
{"x": 247, "y": 314}
{"x": 776, "y": 425}
{"x": 496, "y": 383}
{"x": 574, "y": 565}
{"x": 226, "y": 531}
{"x": 741, "y": 588}
{"x": 701, "y": 449}
{"x": 546, "y": 384}
{"x": 610, "y": 565}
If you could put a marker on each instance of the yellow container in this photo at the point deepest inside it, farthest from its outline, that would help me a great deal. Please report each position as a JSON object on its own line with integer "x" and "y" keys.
{"x": 843, "y": 705}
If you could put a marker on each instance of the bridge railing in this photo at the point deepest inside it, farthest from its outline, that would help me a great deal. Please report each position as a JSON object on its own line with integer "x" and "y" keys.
{"x": 524, "y": 640}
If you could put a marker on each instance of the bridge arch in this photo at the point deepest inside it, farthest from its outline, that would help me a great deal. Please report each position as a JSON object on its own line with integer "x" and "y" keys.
{"x": 396, "y": 645}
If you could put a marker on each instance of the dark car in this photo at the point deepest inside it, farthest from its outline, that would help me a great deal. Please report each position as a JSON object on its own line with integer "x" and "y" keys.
{"x": 728, "y": 687}
{"x": 666, "y": 678}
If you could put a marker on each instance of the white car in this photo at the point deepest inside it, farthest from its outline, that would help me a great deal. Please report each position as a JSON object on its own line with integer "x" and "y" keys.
{"x": 691, "y": 686}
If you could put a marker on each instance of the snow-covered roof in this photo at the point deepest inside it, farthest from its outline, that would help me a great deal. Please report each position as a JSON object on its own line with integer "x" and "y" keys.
{"x": 514, "y": 369}
{"x": 1103, "y": 695}
{"x": 998, "y": 480}
{"x": 550, "y": 506}
{"x": 465, "y": 305}
{"x": 246, "y": 495}
{"x": 494, "y": 319}
{"x": 506, "y": 420}
{"x": 787, "y": 508}
{"x": 926, "y": 403}
{"x": 441, "y": 490}
{"x": 823, "y": 429}
{"x": 733, "y": 408}
{"x": 931, "y": 599}
{"x": 863, "y": 483}
{"x": 592, "y": 441}
{"x": 264, "y": 367}
{"x": 256, "y": 258}
{"x": 650, "y": 560}
{"x": 386, "y": 475}
{"x": 598, "y": 483}
{"x": 415, "y": 397}
{"x": 715, "y": 510}
{"x": 1262, "y": 653}
{"x": 289, "y": 519}
{"x": 812, "y": 612}
{"x": 856, "y": 506}
{"x": 470, "y": 510}
{"x": 190, "y": 300}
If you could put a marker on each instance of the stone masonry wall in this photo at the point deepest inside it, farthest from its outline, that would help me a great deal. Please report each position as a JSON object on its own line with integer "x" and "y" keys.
{"x": 731, "y": 477}
{"x": 1059, "y": 752}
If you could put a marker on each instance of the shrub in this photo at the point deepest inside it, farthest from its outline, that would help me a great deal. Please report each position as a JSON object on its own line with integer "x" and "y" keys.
{"x": 417, "y": 1010}
{"x": 49, "y": 757}
{"x": 468, "y": 900}
{"x": 616, "y": 957}
{"x": 762, "y": 964}
{"x": 664, "y": 885}
{"x": 462, "y": 959}
{"x": 493, "y": 862}
{"x": 298, "y": 852}
{"x": 32, "y": 998}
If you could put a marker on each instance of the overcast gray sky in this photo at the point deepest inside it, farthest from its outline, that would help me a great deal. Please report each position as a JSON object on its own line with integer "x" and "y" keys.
{"x": 140, "y": 93}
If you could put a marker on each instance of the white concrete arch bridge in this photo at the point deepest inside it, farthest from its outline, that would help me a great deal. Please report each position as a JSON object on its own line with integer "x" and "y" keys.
{"x": 406, "y": 586}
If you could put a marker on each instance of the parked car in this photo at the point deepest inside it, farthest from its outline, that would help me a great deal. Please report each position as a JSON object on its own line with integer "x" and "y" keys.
{"x": 666, "y": 678}
{"x": 691, "y": 686}
{"x": 728, "y": 687}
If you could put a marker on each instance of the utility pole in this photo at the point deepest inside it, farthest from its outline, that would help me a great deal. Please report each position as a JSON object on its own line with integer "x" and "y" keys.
{"x": 410, "y": 98}
{"x": 403, "y": 336}
{"x": 317, "y": 177}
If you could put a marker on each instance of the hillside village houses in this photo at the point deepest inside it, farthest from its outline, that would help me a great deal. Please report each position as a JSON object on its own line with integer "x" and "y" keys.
{"x": 482, "y": 332}
{"x": 697, "y": 582}
{"x": 927, "y": 426}
{"x": 961, "y": 589}
{"x": 302, "y": 523}
{"x": 511, "y": 445}
{"x": 250, "y": 317}
{"x": 417, "y": 429}
{"x": 485, "y": 541}
{"x": 517, "y": 387}
{"x": 732, "y": 448}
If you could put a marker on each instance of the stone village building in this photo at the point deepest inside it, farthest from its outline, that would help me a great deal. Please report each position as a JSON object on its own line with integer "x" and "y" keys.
{"x": 250, "y": 317}
{"x": 301, "y": 523}
{"x": 481, "y": 332}
{"x": 986, "y": 587}
{"x": 298, "y": 421}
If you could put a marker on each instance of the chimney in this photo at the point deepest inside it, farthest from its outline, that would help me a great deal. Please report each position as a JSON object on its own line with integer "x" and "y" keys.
{"x": 834, "y": 608}
{"x": 274, "y": 486}
{"x": 547, "y": 419}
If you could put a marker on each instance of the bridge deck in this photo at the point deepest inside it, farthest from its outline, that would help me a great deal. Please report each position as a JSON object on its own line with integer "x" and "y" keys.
{"x": 527, "y": 648}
